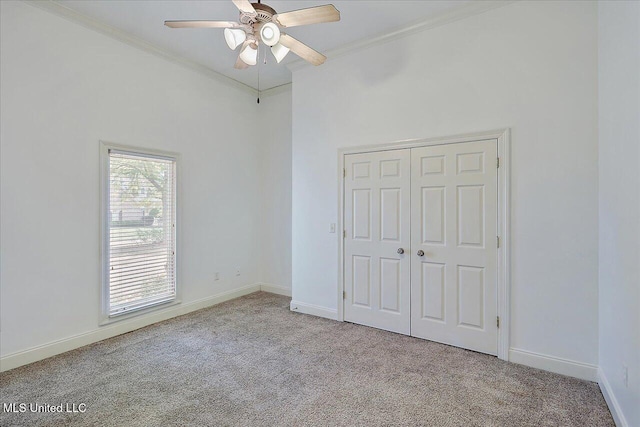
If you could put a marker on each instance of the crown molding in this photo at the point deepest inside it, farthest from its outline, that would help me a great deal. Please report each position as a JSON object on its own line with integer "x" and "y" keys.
{"x": 276, "y": 90}
{"x": 467, "y": 10}
{"x": 58, "y": 9}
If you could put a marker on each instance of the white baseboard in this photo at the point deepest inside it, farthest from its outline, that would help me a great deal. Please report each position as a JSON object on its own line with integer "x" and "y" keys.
{"x": 275, "y": 289}
{"x": 315, "y": 310}
{"x": 53, "y": 348}
{"x": 612, "y": 402}
{"x": 571, "y": 368}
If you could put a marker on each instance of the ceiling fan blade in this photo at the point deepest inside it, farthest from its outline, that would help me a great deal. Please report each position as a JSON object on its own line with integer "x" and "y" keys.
{"x": 201, "y": 24}
{"x": 244, "y": 6}
{"x": 302, "y": 50}
{"x": 312, "y": 15}
{"x": 240, "y": 64}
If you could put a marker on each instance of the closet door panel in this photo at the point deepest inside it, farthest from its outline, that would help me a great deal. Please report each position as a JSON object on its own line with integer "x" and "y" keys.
{"x": 377, "y": 213}
{"x": 453, "y": 243}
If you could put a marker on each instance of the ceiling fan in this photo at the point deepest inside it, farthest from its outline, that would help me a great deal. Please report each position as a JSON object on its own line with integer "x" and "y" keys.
{"x": 260, "y": 23}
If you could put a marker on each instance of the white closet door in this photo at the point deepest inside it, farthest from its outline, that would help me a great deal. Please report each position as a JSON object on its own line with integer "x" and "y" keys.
{"x": 454, "y": 222}
{"x": 377, "y": 220}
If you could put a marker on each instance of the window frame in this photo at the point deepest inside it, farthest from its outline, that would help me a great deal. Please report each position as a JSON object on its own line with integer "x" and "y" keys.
{"x": 105, "y": 147}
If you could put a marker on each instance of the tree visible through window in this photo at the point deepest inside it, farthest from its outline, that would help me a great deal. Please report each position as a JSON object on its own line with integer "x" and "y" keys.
{"x": 141, "y": 231}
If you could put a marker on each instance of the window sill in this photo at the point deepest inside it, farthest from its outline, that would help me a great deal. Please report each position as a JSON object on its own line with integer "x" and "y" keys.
{"x": 108, "y": 320}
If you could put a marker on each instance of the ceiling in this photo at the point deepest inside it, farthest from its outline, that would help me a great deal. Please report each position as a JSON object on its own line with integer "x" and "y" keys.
{"x": 360, "y": 20}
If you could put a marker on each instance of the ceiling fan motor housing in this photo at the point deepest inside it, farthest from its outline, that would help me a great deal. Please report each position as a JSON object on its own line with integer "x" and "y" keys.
{"x": 263, "y": 14}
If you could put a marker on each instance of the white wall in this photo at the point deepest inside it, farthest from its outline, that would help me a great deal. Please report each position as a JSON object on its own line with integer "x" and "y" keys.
{"x": 530, "y": 66}
{"x": 64, "y": 88}
{"x": 275, "y": 142}
{"x": 619, "y": 165}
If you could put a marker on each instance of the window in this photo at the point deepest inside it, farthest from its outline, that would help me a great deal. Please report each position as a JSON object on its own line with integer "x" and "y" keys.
{"x": 139, "y": 230}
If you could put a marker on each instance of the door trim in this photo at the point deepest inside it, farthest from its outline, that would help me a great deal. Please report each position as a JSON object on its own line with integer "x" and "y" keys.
{"x": 503, "y": 137}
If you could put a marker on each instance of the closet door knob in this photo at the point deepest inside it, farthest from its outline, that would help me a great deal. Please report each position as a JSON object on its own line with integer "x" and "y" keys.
{"x": 420, "y": 252}
{"x": 400, "y": 251}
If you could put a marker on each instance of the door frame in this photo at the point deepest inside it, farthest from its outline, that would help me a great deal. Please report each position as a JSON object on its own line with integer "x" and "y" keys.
{"x": 503, "y": 138}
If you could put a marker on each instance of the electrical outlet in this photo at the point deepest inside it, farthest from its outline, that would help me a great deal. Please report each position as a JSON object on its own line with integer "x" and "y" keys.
{"x": 332, "y": 228}
{"x": 216, "y": 276}
{"x": 237, "y": 272}
{"x": 625, "y": 375}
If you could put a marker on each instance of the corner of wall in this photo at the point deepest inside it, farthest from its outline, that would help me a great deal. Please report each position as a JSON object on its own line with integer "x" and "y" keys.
{"x": 612, "y": 402}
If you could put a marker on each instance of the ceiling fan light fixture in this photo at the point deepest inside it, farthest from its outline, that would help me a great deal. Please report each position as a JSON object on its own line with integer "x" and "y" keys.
{"x": 279, "y": 52}
{"x": 249, "y": 54}
{"x": 270, "y": 34}
{"x": 234, "y": 37}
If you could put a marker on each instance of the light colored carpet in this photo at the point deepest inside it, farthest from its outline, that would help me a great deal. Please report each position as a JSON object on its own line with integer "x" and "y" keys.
{"x": 253, "y": 362}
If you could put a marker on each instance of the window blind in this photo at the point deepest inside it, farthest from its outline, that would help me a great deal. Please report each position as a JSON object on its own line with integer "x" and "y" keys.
{"x": 141, "y": 231}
